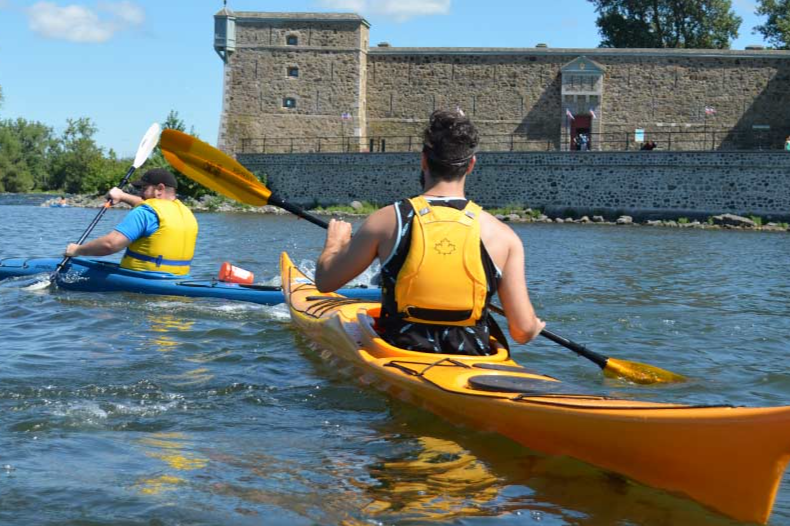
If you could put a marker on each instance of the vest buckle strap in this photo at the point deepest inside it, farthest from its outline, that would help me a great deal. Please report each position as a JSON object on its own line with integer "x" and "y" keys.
{"x": 436, "y": 315}
{"x": 158, "y": 260}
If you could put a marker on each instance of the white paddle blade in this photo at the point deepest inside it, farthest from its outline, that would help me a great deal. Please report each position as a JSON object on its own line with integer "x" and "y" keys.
{"x": 40, "y": 284}
{"x": 147, "y": 145}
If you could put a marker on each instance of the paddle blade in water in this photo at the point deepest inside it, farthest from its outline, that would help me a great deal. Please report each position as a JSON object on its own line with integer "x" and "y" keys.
{"x": 39, "y": 284}
{"x": 640, "y": 373}
{"x": 212, "y": 168}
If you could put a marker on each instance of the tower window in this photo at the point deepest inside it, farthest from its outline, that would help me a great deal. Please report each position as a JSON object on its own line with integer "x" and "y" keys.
{"x": 293, "y": 72}
{"x": 292, "y": 40}
{"x": 289, "y": 102}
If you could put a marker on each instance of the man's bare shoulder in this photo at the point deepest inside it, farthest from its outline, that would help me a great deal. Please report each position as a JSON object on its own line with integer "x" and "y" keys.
{"x": 382, "y": 220}
{"x": 496, "y": 228}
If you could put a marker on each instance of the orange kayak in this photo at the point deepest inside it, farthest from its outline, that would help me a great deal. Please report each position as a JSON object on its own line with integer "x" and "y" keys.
{"x": 730, "y": 459}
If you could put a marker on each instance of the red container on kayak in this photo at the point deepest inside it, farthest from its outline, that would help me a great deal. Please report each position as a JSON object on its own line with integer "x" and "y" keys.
{"x": 231, "y": 274}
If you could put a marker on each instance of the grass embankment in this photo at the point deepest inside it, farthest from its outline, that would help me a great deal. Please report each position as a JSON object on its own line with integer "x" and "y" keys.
{"x": 364, "y": 208}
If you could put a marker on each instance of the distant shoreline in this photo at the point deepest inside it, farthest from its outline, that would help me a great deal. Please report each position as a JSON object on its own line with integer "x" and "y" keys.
{"x": 221, "y": 204}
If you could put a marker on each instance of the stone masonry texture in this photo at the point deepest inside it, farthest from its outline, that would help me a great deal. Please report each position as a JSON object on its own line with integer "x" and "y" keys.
{"x": 347, "y": 92}
{"x": 563, "y": 184}
{"x": 347, "y": 96}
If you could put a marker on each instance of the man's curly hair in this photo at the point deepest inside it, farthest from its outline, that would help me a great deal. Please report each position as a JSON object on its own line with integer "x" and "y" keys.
{"x": 449, "y": 142}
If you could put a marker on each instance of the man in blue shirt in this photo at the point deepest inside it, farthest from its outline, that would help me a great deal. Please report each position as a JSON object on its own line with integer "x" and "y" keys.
{"x": 151, "y": 244}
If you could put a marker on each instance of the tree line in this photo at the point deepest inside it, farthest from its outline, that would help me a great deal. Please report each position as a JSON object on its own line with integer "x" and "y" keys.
{"x": 695, "y": 24}
{"x": 34, "y": 159}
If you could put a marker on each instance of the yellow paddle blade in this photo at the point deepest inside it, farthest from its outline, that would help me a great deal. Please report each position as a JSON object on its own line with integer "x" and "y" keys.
{"x": 213, "y": 169}
{"x": 640, "y": 373}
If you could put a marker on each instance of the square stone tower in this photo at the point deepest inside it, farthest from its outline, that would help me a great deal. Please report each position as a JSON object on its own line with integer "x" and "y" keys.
{"x": 294, "y": 79}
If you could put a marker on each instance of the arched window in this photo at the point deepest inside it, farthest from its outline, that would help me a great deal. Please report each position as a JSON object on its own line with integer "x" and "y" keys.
{"x": 289, "y": 102}
{"x": 293, "y": 72}
{"x": 292, "y": 40}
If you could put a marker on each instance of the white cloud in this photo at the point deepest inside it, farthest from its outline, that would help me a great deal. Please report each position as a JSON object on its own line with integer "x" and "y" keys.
{"x": 126, "y": 12}
{"x": 400, "y": 10}
{"x": 77, "y": 23}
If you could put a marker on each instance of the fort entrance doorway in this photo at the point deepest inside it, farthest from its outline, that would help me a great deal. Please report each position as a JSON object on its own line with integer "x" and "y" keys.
{"x": 581, "y": 126}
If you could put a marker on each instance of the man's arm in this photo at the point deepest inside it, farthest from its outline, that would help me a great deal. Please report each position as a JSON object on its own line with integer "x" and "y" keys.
{"x": 345, "y": 257}
{"x": 119, "y": 196}
{"x": 140, "y": 222}
{"x": 103, "y": 246}
{"x": 523, "y": 323}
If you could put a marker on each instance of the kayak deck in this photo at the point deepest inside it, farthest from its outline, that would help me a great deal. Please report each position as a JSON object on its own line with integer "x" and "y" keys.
{"x": 730, "y": 459}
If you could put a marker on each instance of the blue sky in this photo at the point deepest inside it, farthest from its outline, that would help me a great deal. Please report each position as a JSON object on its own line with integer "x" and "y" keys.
{"x": 127, "y": 63}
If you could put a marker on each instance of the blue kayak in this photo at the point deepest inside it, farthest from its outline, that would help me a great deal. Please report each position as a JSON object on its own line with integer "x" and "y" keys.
{"x": 93, "y": 275}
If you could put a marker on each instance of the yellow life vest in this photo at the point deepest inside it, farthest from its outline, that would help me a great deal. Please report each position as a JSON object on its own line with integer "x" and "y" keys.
{"x": 171, "y": 247}
{"x": 443, "y": 280}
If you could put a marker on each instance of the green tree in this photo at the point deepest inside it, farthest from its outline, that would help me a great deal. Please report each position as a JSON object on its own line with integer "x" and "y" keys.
{"x": 14, "y": 176}
{"x": 700, "y": 24}
{"x": 104, "y": 173}
{"x": 776, "y": 29}
{"x": 38, "y": 143}
{"x": 77, "y": 164}
{"x": 25, "y": 150}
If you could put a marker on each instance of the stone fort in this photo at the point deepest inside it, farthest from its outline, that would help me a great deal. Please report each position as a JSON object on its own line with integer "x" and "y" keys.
{"x": 311, "y": 82}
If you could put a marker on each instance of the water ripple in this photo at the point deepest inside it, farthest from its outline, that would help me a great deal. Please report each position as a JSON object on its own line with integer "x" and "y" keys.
{"x": 130, "y": 409}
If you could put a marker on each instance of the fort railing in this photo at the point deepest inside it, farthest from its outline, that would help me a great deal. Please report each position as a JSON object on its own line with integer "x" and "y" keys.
{"x": 666, "y": 140}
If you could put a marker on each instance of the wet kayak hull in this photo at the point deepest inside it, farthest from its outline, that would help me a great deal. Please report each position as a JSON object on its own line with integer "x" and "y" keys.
{"x": 92, "y": 275}
{"x": 730, "y": 459}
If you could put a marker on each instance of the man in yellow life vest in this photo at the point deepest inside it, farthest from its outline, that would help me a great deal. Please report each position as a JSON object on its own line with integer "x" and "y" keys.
{"x": 159, "y": 233}
{"x": 442, "y": 257}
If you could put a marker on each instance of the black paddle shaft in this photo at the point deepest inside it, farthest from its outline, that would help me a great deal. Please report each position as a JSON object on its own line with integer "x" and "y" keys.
{"x": 95, "y": 222}
{"x": 285, "y": 205}
{"x": 581, "y": 350}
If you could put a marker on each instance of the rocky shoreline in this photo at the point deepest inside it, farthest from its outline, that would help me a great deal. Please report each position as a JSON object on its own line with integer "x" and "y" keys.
{"x": 723, "y": 221}
{"x": 210, "y": 203}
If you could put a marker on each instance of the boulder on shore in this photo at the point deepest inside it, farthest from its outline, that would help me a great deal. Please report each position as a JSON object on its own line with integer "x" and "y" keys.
{"x": 733, "y": 220}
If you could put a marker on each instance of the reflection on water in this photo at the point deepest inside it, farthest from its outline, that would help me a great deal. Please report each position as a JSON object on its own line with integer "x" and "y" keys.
{"x": 165, "y": 328}
{"x": 441, "y": 482}
{"x": 128, "y": 409}
{"x": 161, "y": 325}
{"x": 174, "y": 450}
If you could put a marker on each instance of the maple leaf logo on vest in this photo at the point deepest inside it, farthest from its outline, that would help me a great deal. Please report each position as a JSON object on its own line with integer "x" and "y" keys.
{"x": 444, "y": 247}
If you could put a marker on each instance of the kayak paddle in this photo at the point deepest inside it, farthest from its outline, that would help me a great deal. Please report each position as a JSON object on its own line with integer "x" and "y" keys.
{"x": 639, "y": 373}
{"x": 213, "y": 169}
{"x": 223, "y": 174}
{"x": 147, "y": 146}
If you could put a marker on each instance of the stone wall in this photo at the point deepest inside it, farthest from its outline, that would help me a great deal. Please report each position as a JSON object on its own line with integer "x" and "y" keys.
{"x": 642, "y": 184}
{"x": 389, "y": 92}
{"x": 518, "y": 91}
{"x": 329, "y": 57}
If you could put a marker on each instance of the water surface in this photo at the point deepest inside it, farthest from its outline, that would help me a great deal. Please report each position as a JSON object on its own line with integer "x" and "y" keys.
{"x": 130, "y": 409}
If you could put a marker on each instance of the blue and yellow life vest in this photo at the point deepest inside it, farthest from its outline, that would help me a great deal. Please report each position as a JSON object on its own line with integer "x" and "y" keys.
{"x": 171, "y": 247}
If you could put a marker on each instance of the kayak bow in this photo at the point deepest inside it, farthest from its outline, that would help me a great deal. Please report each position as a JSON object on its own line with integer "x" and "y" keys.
{"x": 730, "y": 459}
